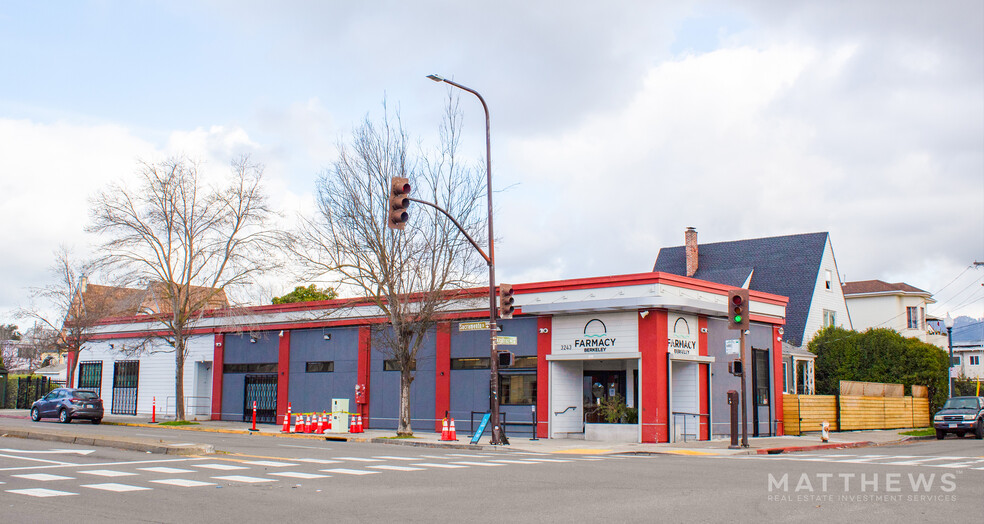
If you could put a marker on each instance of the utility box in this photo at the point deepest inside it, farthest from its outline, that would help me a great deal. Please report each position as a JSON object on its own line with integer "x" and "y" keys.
{"x": 339, "y": 415}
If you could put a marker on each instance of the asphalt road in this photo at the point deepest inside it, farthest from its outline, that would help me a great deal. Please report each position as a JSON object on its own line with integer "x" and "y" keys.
{"x": 267, "y": 479}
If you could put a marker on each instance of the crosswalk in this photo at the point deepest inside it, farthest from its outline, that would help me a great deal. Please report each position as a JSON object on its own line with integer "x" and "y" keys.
{"x": 199, "y": 472}
{"x": 948, "y": 462}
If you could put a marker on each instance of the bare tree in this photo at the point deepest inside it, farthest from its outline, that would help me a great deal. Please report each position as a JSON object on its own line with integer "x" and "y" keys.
{"x": 186, "y": 241}
{"x": 71, "y": 310}
{"x": 409, "y": 274}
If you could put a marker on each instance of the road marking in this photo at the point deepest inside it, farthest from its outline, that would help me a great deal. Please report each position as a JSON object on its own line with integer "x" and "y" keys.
{"x": 222, "y": 467}
{"x": 359, "y": 459}
{"x": 478, "y": 464}
{"x": 184, "y": 483}
{"x": 73, "y": 465}
{"x": 350, "y": 471}
{"x": 108, "y": 473}
{"x": 551, "y": 460}
{"x": 388, "y": 457}
{"x": 42, "y": 477}
{"x": 241, "y": 478}
{"x": 466, "y": 455}
{"x": 166, "y": 470}
{"x": 956, "y": 464}
{"x": 916, "y": 462}
{"x": 583, "y": 451}
{"x": 446, "y": 466}
{"x": 60, "y": 451}
{"x": 509, "y": 461}
{"x": 303, "y": 447}
{"x": 118, "y": 488}
{"x": 395, "y": 468}
{"x": 318, "y": 461}
{"x": 40, "y": 492}
{"x": 439, "y": 457}
{"x": 59, "y": 462}
{"x": 299, "y": 475}
{"x": 269, "y": 463}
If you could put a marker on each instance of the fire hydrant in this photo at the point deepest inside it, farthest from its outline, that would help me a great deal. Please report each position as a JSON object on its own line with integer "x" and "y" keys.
{"x": 825, "y": 431}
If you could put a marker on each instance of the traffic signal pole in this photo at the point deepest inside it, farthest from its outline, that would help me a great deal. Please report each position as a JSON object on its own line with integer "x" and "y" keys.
{"x": 744, "y": 414}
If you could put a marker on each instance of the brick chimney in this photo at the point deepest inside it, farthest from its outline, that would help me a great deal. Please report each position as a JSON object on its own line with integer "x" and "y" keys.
{"x": 691, "y": 249}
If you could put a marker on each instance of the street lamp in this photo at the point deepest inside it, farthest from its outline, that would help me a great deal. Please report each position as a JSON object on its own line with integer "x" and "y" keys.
{"x": 948, "y": 322}
{"x": 498, "y": 434}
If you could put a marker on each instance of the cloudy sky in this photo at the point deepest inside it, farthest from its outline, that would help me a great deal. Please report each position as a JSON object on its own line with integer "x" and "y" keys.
{"x": 615, "y": 125}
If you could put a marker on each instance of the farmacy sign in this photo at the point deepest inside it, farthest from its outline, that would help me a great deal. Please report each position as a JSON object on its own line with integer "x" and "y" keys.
{"x": 683, "y": 336}
{"x": 607, "y": 333}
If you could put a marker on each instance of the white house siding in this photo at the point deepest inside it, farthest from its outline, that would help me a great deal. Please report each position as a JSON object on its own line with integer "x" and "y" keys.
{"x": 888, "y": 310}
{"x": 156, "y": 375}
{"x": 823, "y": 298}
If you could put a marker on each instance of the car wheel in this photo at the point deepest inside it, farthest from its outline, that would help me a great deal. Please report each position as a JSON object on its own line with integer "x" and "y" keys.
{"x": 35, "y": 414}
{"x": 960, "y": 434}
{"x": 979, "y": 430}
{"x": 96, "y": 420}
{"x": 940, "y": 434}
{"x": 64, "y": 417}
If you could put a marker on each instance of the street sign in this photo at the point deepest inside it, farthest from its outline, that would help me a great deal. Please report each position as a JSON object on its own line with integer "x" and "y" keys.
{"x": 476, "y": 326}
{"x": 506, "y": 341}
{"x": 481, "y": 428}
{"x": 732, "y": 347}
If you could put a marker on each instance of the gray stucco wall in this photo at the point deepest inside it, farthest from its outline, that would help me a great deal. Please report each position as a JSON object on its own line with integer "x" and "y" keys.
{"x": 722, "y": 381}
{"x": 315, "y": 391}
{"x": 239, "y": 350}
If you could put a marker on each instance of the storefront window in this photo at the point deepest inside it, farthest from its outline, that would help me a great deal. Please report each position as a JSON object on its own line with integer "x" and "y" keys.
{"x": 517, "y": 389}
{"x": 470, "y": 363}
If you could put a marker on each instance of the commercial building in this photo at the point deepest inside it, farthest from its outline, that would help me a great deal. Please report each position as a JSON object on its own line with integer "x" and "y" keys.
{"x": 658, "y": 343}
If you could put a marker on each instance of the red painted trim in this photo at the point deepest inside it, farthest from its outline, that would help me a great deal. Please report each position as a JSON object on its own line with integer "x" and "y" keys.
{"x": 704, "y": 378}
{"x": 652, "y": 377}
{"x": 218, "y": 361}
{"x": 442, "y": 379}
{"x": 778, "y": 321}
{"x": 362, "y": 375}
{"x": 283, "y": 370}
{"x": 70, "y": 365}
{"x": 777, "y": 383}
{"x": 543, "y": 342}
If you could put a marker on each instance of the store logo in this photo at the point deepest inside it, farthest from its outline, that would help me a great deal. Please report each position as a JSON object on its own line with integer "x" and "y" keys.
{"x": 596, "y": 339}
{"x": 681, "y": 341}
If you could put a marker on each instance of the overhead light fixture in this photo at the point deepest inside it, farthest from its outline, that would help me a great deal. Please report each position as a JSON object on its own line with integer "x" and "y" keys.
{"x": 703, "y": 330}
{"x": 252, "y": 340}
{"x": 644, "y": 314}
{"x": 327, "y": 336}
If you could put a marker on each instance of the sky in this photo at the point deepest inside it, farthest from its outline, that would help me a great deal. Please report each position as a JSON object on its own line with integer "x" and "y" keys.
{"x": 615, "y": 125}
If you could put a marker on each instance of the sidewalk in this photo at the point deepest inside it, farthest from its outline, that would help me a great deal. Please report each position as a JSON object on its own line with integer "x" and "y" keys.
{"x": 17, "y": 423}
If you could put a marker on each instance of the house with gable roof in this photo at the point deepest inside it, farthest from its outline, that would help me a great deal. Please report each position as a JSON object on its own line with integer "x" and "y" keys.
{"x": 801, "y": 267}
{"x": 898, "y": 306}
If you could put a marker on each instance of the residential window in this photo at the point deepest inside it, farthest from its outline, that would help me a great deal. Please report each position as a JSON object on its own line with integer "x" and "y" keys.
{"x": 785, "y": 379}
{"x": 975, "y": 360}
{"x": 911, "y": 317}
{"x": 517, "y": 389}
{"x": 394, "y": 365}
{"x": 956, "y": 360}
{"x": 829, "y": 279}
{"x": 829, "y": 318}
{"x": 326, "y": 366}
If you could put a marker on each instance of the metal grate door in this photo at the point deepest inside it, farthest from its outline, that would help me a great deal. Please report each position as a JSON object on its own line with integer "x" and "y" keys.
{"x": 90, "y": 376}
{"x": 125, "y": 376}
{"x": 262, "y": 389}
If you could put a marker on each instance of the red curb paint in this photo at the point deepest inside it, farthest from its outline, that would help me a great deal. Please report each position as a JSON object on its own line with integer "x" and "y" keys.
{"x": 793, "y": 449}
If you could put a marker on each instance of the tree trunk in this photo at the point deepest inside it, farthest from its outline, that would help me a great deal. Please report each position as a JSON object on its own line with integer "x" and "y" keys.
{"x": 179, "y": 357}
{"x": 406, "y": 378}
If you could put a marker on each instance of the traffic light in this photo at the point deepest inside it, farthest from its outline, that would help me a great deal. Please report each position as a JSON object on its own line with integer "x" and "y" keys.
{"x": 506, "y": 301}
{"x": 399, "y": 202}
{"x": 734, "y": 367}
{"x": 738, "y": 309}
{"x": 506, "y": 358}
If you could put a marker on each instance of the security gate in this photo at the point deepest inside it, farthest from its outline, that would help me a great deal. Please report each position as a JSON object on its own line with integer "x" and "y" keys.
{"x": 90, "y": 376}
{"x": 262, "y": 389}
{"x": 125, "y": 375}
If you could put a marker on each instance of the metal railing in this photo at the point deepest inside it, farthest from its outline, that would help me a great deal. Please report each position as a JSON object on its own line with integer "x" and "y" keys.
{"x": 200, "y": 406}
{"x": 688, "y": 416}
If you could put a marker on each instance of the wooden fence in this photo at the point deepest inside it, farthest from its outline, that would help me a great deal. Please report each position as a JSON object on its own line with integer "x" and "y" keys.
{"x": 803, "y": 413}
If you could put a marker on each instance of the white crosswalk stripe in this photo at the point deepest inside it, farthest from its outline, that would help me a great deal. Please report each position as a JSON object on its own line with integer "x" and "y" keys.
{"x": 268, "y": 463}
{"x": 345, "y": 471}
{"x": 317, "y": 461}
{"x": 222, "y": 467}
{"x": 388, "y": 457}
{"x": 478, "y": 463}
{"x": 42, "y": 477}
{"x": 359, "y": 459}
{"x": 118, "y": 488}
{"x": 166, "y": 470}
{"x": 183, "y": 483}
{"x": 108, "y": 473}
{"x": 299, "y": 475}
{"x": 446, "y": 466}
{"x": 243, "y": 478}
{"x": 40, "y": 492}
{"x": 949, "y": 462}
{"x": 509, "y": 461}
{"x": 394, "y": 468}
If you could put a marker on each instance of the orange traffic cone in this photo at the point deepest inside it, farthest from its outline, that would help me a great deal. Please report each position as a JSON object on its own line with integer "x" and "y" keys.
{"x": 329, "y": 423}
{"x": 452, "y": 434}
{"x": 321, "y": 424}
{"x": 308, "y": 428}
{"x": 445, "y": 430}
{"x": 352, "y": 428}
{"x": 361, "y": 429}
{"x": 298, "y": 425}
{"x": 286, "y": 428}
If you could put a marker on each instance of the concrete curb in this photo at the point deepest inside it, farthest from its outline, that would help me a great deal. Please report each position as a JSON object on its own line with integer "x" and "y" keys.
{"x": 794, "y": 449}
{"x": 161, "y": 447}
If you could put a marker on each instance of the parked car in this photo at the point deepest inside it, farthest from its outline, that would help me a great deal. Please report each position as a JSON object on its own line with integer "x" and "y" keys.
{"x": 960, "y": 415}
{"x": 67, "y": 404}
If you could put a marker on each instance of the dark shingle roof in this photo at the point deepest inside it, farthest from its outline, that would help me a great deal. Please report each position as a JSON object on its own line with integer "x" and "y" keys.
{"x": 786, "y": 265}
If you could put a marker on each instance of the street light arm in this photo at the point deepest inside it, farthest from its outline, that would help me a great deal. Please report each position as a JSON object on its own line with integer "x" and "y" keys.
{"x": 455, "y": 222}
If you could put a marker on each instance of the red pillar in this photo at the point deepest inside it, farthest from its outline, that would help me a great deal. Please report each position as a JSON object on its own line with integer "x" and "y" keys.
{"x": 218, "y": 361}
{"x": 543, "y": 376}
{"x": 704, "y": 377}
{"x": 283, "y": 372}
{"x": 70, "y": 359}
{"x": 362, "y": 376}
{"x": 777, "y": 383}
{"x": 442, "y": 380}
{"x": 653, "y": 385}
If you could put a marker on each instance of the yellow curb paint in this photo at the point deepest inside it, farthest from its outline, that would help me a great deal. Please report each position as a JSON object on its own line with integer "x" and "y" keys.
{"x": 583, "y": 451}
